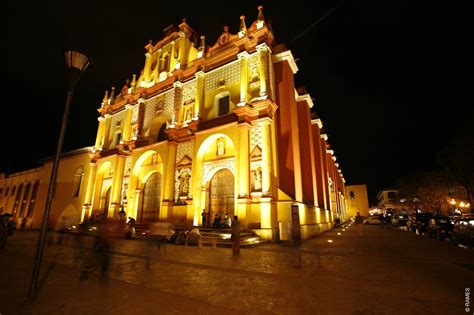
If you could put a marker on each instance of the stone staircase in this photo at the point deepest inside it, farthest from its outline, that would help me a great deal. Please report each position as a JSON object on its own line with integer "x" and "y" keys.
{"x": 222, "y": 238}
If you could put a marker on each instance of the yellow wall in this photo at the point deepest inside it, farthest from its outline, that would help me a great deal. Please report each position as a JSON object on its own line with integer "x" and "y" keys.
{"x": 358, "y": 204}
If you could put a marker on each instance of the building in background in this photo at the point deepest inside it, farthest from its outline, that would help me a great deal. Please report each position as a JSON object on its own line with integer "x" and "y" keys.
{"x": 218, "y": 128}
{"x": 357, "y": 200}
{"x": 390, "y": 201}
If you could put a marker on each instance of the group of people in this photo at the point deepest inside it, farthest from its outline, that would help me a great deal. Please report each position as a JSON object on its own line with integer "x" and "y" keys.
{"x": 219, "y": 222}
{"x": 225, "y": 222}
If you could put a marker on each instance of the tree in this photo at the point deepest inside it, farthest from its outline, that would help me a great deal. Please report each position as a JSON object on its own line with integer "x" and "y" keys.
{"x": 457, "y": 159}
{"x": 428, "y": 191}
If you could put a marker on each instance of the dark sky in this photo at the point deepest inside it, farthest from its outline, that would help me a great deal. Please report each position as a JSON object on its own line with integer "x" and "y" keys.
{"x": 389, "y": 78}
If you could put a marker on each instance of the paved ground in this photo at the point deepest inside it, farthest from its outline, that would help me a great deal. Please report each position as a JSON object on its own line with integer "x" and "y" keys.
{"x": 381, "y": 272}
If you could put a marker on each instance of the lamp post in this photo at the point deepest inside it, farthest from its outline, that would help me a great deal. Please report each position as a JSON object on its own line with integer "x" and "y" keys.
{"x": 76, "y": 65}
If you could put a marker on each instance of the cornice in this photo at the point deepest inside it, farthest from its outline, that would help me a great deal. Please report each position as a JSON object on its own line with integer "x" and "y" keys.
{"x": 286, "y": 56}
{"x": 317, "y": 122}
{"x": 304, "y": 98}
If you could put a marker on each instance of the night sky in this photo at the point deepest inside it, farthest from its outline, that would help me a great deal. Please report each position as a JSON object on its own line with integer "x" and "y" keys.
{"x": 389, "y": 78}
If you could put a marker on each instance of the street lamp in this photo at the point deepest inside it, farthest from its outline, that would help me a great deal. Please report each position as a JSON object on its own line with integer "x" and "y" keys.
{"x": 76, "y": 63}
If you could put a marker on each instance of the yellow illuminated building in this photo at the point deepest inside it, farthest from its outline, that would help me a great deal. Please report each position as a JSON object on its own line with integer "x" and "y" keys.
{"x": 357, "y": 200}
{"x": 220, "y": 128}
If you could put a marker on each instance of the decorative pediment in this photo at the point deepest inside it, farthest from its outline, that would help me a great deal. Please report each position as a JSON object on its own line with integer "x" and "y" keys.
{"x": 185, "y": 161}
{"x": 256, "y": 153}
{"x": 224, "y": 39}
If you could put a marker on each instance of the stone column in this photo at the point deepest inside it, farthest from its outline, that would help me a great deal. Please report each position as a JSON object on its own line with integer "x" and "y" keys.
{"x": 156, "y": 71}
{"x": 172, "y": 58}
{"x": 178, "y": 97}
{"x": 169, "y": 175}
{"x": 244, "y": 77}
{"x": 134, "y": 212}
{"x": 99, "y": 141}
{"x": 168, "y": 191}
{"x": 263, "y": 68}
{"x": 147, "y": 68}
{"x": 199, "y": 93}
{"x": 127, "y": 132}
{"x": 181, "y": 53}
{"x": 87, "y": 207}
{"x": 117, "y": 185}
{"x": 244, "y": 161}
{"x": 266, "y": 156}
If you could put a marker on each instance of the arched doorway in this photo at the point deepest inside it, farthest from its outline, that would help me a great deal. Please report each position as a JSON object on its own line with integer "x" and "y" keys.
{"x": 106, "y": 203}
{"x": 221, "y": 194}
{"x": 151, "y": 198}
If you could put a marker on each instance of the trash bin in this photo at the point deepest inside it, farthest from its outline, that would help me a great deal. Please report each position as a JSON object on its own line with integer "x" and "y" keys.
{"x": 285, "y": 231}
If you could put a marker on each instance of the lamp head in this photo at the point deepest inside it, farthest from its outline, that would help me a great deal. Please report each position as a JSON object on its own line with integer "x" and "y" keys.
{"x": 76, "y": 63}
{"x": 77, "y": 60}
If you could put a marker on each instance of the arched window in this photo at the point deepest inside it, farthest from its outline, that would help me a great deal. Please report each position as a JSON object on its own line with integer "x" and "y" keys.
{"x": 13, "y": 191}
{"x": 24, "y": 200}
{"x": 6, "y": 191}
{"x": 17, "y": 200}
{"x": 34, "y": 195}
{"x": 222, "y": 103}
{"x": 76, "y": 188}
{"x": 116, "y": 139}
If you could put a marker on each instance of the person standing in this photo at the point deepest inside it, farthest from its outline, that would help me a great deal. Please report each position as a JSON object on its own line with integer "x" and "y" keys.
{"x": 204, "y": 217}
{"x": 359, "y": 220}
{"x": 235, "y": 236}
{"x": 122, "y": 216}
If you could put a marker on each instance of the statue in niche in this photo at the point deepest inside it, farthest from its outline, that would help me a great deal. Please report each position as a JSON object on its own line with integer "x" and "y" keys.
{"x": 188, "y": 115}
{"x": 253, "y": 73}
{"x": 159, "y": 106}
{"x": 183, "y": 184}
{"x": 257, "y": 173}
{"x": 154, "y": 158}
{"x": 220, "y": 146}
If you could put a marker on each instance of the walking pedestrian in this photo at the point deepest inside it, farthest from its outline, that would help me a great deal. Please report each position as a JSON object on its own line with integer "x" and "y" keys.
{"x": 382, "y": 221}
{"x": 359, "y": 220}
{"x": 23, "y": 223}
{"x": 235, "y": 236}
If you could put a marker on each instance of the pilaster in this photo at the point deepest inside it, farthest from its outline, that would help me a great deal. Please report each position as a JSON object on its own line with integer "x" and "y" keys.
{"x": 117, "y": 186}
{"x": 200, "y": 94}
{"x": 127, "y": 132}
{"x": 244, "y": 77}
{"x": 99, "y": 141}
{"x": 147, "y": 70}
{"x": 263, "y": 68}
{"x": 87, "y": 207}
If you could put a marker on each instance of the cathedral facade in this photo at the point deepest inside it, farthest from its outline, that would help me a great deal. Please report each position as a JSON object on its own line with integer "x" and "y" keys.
{"x": 220, "y": 129}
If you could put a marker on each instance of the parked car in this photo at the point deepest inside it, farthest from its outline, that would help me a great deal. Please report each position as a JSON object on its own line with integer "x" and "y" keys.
{"x": 440, "y": 227}
{"x": 372, "y": 220}
{"x": 399, "y": 220}
{"x": 463, "y": 232}
{"x": 422, "y": 221}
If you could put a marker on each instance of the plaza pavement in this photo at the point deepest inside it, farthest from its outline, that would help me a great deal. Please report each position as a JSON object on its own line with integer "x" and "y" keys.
{"x": 381, "y": 272}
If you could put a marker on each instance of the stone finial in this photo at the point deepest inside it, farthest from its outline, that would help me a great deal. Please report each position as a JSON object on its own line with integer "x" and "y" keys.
{"x": 124, "y": 90}
{"x": 226, "y": 29}
{"x": 243, "y": 27}
{"x": 149, "y": 46}
{"x": 112, "y": 96}
{"x": 134, "y": 83}
{"x": 260, "y": 13}
{"x": 105, "y": 100}
{"x": 202, "y": 45}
